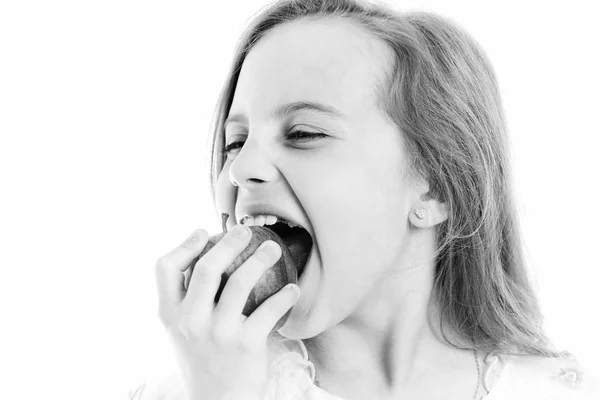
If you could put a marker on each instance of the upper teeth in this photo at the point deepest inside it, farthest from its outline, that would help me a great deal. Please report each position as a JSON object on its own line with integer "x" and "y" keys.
{"x": 262, "y": 220}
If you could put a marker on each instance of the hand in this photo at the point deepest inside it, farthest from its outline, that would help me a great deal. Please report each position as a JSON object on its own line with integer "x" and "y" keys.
{"x": 220, "y": 354}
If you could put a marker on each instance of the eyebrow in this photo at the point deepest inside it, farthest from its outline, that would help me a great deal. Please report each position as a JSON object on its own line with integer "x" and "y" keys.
{"x": 290, "y": 108}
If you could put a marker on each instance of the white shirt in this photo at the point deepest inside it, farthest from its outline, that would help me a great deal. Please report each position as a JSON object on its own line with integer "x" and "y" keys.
{"x": 292, "y": 377}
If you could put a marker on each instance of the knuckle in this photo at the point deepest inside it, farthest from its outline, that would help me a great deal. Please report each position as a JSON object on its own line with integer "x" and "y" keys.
{"x": 221, "y": 336}
{"x": 204, "y": 272}
{"x": 198, "y": 236}
{"x": 236, "y": 282}
{"x": 247, "y": 344}
{"x": 233, "y": 240}
{"x": 189, "y": 326}
{"x": 163, "y": 263}
{"x": 164, "y": 315}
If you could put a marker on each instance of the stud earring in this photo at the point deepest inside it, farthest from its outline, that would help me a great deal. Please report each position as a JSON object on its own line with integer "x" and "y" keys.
{"x": 420, "y": 212}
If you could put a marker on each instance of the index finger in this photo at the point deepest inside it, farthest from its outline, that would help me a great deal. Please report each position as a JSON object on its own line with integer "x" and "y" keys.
{"x": 170, "y": 267}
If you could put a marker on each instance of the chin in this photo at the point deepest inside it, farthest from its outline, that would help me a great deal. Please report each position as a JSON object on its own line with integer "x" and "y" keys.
{"x": 307, "y": 322}
{"x": 301, "y": 323}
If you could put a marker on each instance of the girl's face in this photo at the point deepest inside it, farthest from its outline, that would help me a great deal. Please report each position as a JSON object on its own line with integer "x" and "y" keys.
{"x": 347, "y": 183}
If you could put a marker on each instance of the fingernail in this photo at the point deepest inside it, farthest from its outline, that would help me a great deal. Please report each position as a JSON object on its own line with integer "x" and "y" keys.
{"x": 240, "y": 231}
{"x": 269, "y": 247}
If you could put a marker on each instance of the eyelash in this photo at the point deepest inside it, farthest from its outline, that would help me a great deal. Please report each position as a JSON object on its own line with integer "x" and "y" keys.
{"x": 294, "y": 135}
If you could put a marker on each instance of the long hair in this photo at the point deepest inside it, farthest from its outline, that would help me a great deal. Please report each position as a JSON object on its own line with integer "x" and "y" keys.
{"x": 441, "y": 93}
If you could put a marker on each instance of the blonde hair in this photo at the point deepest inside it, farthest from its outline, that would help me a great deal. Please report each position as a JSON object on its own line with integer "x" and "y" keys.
{"x": 441, "y": 92}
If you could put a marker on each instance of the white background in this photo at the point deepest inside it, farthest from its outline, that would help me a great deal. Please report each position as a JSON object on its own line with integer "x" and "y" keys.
{"x": 104, "y": 114}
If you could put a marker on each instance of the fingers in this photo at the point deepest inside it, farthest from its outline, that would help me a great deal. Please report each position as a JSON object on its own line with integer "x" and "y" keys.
{"x": 204, "y": 282}
{"x": 260, "y": 323}
{"x": 191, "y": 315}
{"x": 242, "y": 281}
{"x": 169, "y": 268}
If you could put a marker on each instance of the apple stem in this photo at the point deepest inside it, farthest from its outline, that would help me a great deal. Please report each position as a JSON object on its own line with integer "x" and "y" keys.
{"x": 224, "y": 218}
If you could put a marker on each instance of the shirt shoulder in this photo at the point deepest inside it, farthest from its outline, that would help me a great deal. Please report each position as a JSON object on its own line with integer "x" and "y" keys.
{"x": 544, "y": 378}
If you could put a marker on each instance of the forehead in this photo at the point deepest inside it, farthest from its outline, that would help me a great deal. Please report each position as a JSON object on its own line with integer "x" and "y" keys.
{"x": 326, "y": 60}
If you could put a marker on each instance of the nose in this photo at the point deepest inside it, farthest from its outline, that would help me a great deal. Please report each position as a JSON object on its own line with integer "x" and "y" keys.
{"x": 252, "y": 166}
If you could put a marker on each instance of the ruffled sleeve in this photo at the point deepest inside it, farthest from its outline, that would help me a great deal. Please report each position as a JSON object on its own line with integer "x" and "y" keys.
{"x": 292, "y": 374}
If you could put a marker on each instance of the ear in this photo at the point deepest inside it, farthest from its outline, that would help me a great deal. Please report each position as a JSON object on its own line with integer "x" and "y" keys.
{"x": 428, "y": 213}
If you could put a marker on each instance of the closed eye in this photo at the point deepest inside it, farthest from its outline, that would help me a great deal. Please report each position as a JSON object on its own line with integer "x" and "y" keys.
{"x": 295, "y": 135}
{"x": 305, "y": 135}
{"x": 232, "y": 146}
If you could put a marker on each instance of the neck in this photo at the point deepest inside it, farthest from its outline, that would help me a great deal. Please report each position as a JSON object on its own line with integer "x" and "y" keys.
{"x": 387, "y": 341}
{"x": 388, "y": 336}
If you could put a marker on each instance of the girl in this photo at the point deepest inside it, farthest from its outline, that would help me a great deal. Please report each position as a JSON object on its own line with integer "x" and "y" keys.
{"x": 381, "y": 134}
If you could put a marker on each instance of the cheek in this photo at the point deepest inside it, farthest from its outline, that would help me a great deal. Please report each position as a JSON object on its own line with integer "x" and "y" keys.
{"x": 364, "y": 249}
{"x": 364, "y": 228}
{"x": 358, "y": 196}
{"x": 360, "y": 229}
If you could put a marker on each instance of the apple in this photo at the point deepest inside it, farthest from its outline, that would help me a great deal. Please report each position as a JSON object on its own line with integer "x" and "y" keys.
{"x": 274, "y": 279}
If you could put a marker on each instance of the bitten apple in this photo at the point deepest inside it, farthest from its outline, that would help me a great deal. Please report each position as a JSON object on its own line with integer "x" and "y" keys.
{"x": 274, "y": 279}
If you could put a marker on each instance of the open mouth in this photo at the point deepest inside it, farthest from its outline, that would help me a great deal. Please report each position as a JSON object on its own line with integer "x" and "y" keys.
{"x": 298, "y": 241}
